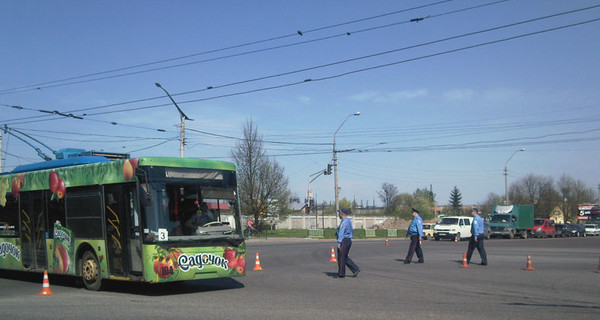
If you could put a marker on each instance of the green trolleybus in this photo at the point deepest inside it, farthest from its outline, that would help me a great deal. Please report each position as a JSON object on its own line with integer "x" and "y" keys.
{"x": 129, "y": 219}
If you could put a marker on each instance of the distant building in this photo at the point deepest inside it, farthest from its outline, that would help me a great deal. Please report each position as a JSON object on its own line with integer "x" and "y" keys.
{"x": 557, "y": 215}
{"x": 296, "y": 204}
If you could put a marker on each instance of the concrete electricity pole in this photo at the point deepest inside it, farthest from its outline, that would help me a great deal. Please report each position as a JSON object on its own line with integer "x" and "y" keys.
{"x": 335, "y": 174}
{"x": 182, "y": 116}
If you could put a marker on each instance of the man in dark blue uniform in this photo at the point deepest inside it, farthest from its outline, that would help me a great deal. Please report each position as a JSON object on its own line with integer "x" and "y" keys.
{"x": 415, "y": 232}
{"x": 476, "y": 240}
{"x": 344, "y": 237}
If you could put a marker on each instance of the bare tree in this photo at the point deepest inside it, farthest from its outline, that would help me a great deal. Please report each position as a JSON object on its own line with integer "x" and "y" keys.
{"x": 538, "y": 191}
{"x": 566, "y": 190}
{"x": 262, "y": 184}
{"x": 387, "y": 194}
{"x": 572, "y": 193}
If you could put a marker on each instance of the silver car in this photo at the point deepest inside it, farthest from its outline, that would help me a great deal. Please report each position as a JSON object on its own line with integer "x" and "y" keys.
{"x": 592, "y": 229}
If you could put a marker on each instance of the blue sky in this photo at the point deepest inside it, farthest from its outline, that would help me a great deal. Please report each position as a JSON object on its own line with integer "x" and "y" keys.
{"x": 433, "y": 113}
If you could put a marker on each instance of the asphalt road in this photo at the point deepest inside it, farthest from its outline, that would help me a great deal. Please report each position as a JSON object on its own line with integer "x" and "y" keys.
{"x": 299, "y": 282}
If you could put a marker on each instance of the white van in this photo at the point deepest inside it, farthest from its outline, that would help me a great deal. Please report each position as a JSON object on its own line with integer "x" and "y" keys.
{"x": 453, "y": 228}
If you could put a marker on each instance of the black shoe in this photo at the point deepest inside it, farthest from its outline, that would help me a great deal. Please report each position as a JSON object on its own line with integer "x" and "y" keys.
{"x": 341, "y": 277}
{"x": 420, "y": 261}
{"x": 355, "y": 274}
{"x": 484, "y": 264}
{"x": 406, "y": 262}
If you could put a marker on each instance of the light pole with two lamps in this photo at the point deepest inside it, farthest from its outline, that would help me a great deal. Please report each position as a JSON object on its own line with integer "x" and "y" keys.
{"x": 506, "y": 175}
{"x": 335, "y": 175}
{"x": 183, "y": 118}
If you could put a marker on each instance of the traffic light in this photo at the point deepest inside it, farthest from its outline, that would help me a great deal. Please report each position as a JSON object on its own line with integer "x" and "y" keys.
{"x": 329, "y": 169}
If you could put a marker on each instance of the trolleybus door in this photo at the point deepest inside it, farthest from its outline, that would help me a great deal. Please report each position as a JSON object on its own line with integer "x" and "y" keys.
{"x": 123, "y": 244}
{"x": 135, "y": 238}
{"x": 33, "y": 230}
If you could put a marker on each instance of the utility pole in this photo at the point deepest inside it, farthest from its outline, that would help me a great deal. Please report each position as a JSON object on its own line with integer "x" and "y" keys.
{"x": 335, "y": 168}
{"x": 182, "y": 117}
{"x": 506, "y": 175}
{"x": 310, "y": 199}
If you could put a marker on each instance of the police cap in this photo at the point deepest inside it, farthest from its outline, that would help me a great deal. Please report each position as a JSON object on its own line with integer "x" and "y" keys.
{"x": 344, "y": 211}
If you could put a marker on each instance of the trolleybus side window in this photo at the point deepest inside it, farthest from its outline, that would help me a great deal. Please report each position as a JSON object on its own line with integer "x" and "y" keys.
{"x": 84, "y": 212}
{"x": 9, "y": 217}
{"x": 56, "y": 212}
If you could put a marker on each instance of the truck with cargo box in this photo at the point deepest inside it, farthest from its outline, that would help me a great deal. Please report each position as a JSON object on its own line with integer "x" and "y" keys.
{"x": 511, "y": 220}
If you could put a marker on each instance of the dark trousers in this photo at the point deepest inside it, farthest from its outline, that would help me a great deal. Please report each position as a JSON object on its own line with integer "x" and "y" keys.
{"x": 344, "y": 260}
{"x": 479, "y": 245}
{"x": 415, "y": 246}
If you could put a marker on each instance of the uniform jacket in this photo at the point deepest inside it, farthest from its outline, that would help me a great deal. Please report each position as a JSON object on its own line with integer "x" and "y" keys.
{"x": 416, "y": 227}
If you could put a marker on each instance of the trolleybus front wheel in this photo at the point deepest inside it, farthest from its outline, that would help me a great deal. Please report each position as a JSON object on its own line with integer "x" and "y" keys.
{"x": 89, "y": 269}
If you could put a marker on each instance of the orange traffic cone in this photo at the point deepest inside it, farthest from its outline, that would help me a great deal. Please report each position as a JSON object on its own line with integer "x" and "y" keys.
{"x": 387, "y": 243}
{"x": 45, "y": 286}
{"x": 529, "y": 265}
{"x": 464, "y": 264}
{"x": 333, "y": 259}
{"x": 257, "y": 266}
{"x": 598, "y": 266}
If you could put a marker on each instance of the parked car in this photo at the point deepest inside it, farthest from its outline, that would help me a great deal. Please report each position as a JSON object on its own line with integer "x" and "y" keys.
{"x": 453, "y": 228}
{"x": 592, "y": 229}
{"x": 559, "y": 228}
{"x": 428, "y": 230}
{"x": 487, "y": 231}
{"x": 574, "y": 230}
{"x": 542, "y": 228}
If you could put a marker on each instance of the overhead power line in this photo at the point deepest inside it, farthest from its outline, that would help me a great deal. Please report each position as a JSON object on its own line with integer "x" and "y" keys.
{"x": 390, "y": 64}
{"x": 339, "y": 75}
{"x": 265, "y": 141}
{"x": 304, "y": 69}
{"x": 55, "y": 83}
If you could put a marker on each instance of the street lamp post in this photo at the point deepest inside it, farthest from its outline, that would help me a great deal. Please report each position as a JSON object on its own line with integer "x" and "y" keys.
{"x": 335, "y": 174}
{"x": 506, "y": 175}
{"x": 182, "y": 116}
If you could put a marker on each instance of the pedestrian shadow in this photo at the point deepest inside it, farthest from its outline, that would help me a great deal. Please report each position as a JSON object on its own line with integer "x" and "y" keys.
{"x": 458, "y": 262}
{"x": 331, "y": 274}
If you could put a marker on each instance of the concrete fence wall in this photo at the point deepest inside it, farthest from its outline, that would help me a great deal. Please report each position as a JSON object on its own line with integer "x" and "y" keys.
{"x": 310, "y": 222}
